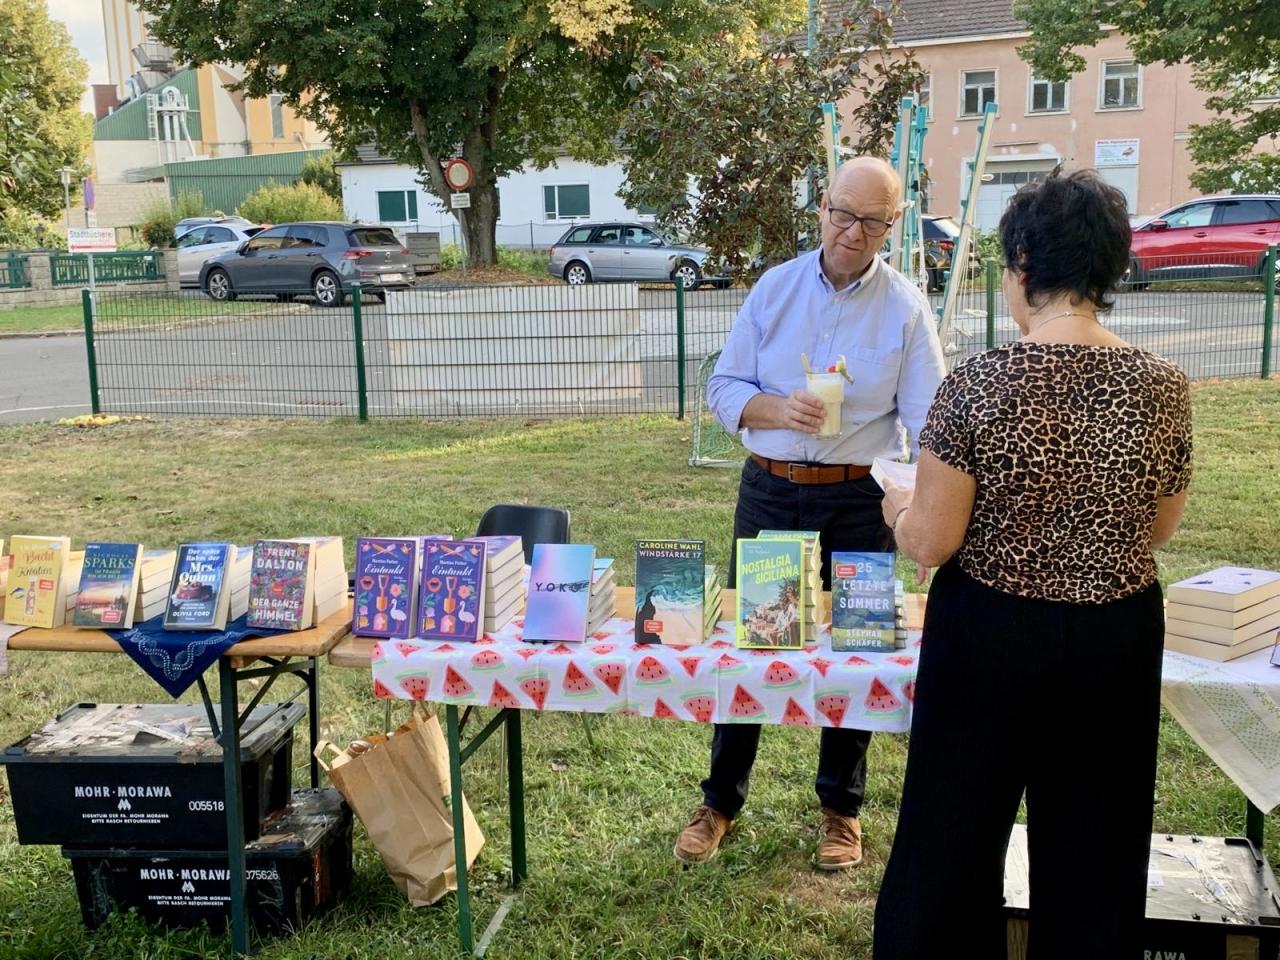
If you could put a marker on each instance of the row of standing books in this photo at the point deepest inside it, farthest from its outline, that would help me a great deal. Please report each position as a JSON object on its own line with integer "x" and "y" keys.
{"x": 274, "y": 584}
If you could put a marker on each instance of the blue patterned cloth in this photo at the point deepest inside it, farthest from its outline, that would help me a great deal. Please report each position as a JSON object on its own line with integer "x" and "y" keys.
{"x": 175, "y": 658}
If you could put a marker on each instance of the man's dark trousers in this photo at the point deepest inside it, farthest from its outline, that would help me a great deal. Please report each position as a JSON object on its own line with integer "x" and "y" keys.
{"x": 848, "y": 517}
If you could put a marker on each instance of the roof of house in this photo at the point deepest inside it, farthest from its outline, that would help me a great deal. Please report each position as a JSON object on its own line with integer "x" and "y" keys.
{"x": 940, "y": 19}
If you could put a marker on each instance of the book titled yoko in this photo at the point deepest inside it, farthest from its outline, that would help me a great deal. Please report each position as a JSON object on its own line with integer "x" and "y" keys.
{"x": 198, "y": 597}
{"x": 559, "y": 592}
{"x": 107, "y": 595}
{"x": 451, "y": 592}
{"x": 281, "y": 585}
{"x": 386, "y": 580}
{"x": 862, "y": 601}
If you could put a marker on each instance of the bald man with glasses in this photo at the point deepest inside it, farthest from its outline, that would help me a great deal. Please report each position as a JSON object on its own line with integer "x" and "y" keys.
{"x": 840, "y": 300}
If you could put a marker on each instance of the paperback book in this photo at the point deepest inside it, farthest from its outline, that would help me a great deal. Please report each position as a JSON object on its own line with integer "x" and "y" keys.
{"x": 107, "y": 594}
{"x": 1227, "y": 588}
{"x": 37, "y": 587}
{"x": 200, "y": 596}
{"x": 559, "y": 592}
{"x": 452, "y": 590}
{"x": 282, "y": 585}
{"x": 385, "y": 588}
{"x": 771, "y": 594}
{"x": 670, "y": 591}
{"x": 863, "y": 604}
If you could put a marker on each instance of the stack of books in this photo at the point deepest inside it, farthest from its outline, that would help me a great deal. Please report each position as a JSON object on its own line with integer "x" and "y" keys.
{"x": 601, "y": 607}
{"x": 815, "y": 608}
{"x": 71, "y": 574}
{"x": 153, "y": 583}
{"x": 36, "y": 588}
{"x": 1223, "y": 614}
{"x": 238, "y": 580}
{"x": 899, "y": 615}
{"x": 773, "y": 609}
{"x": 293, "y": 584}
{"x": 866, "y": 607}
{"x": 330, "y": 575}
{"x": 505, "y": 585}
{"x": 711, "y": 600}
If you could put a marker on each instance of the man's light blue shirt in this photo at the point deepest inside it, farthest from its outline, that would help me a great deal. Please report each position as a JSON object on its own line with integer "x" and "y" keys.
{"x": 880, "y": 322}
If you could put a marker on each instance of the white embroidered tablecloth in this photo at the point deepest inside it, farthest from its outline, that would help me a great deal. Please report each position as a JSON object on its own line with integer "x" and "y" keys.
{"x": 610, "y": 673}
{"x": 1232, "y": 710}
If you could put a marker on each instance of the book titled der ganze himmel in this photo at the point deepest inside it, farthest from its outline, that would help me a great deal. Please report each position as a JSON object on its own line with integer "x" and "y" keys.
{"x": 281, "y": 585}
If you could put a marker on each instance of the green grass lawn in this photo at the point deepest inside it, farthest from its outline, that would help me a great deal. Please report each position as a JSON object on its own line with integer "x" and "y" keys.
{"x": 138, "y": 310}
{"x": 603, "y": 882}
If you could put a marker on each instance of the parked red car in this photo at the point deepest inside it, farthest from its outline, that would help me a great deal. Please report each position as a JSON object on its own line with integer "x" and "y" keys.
{"x": 1212, "y": 237}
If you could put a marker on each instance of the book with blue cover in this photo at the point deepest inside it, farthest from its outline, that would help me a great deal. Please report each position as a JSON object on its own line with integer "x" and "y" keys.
{"x": 199, "y": 597}
{"x": 108, "y": 592}
{"x": 862, "y": 601}
{"x": 670, "y": 591}
{"x": 559, "y": 592}
{"x": 451, "y": 590}
{"x": 385, "y": 587}
{"x": 772, "y": 588}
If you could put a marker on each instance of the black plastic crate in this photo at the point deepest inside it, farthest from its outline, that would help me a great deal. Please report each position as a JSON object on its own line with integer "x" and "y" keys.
{"x": 145, "y": 775}
{"x": 295, "y": 870}
{"x": 1208, "y": 898}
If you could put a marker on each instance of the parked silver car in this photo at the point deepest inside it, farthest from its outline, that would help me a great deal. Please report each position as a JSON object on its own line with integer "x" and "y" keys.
{"x": 205, "y": 241}
{"x": 626, "y": 251}
{"x": 321, "y": 258}
{"x": 185, "y": 226}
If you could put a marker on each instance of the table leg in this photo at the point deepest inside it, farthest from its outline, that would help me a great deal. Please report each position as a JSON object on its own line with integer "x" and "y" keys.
{"x": 1254, "y": 824}
{"x": 515, "y": 793}
{"x": 459, "y": 829}
{"x": 312, "y": 678}
{"x": 233, "y": 798}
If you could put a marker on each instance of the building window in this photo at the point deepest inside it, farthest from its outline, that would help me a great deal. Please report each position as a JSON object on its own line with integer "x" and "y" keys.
{"x": 1121, "y": 85}
{"x": 924, "y": 96}
{"x": 566, "y": 201}
{"x": 1047, "y": 96}
{"x": 397, "y": 206}
{"x": 276, "y": 102}
{"x": 979, "y": 89}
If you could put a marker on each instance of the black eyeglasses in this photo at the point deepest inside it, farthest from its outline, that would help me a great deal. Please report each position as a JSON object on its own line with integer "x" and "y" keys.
{"x": 871, "y": 226}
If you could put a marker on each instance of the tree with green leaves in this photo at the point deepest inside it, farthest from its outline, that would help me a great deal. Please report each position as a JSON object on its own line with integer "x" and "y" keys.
{"x": 717, "y": 143}
{"x": 1233, "y": 47}
{"x": 500, "y": 83}
{"x": 323, "y": 173}
{"x": 42, "y": 127}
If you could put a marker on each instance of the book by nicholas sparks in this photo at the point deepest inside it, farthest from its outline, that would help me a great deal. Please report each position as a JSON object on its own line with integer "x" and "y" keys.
{"x": 452, "y": 590}
{"x": 772, "y": 584}
{"x": 282, "y": 585}
{"x": 386, "y": 585}
{"x": 559, "y": 592}
{"x": 107, "y": 595}
{"x": 862, "y": 601}
{"x": 670, "y": 591}
{"x": 200, "y": 596}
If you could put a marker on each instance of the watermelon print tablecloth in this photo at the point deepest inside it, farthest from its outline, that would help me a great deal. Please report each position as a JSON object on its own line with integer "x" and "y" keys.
{"x": 611, "y": 673}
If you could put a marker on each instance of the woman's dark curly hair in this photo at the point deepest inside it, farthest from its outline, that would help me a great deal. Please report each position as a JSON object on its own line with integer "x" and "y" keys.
{"x": 1068, "y": 233}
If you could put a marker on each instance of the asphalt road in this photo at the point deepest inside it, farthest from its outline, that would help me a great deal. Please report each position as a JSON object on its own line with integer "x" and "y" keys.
{"x": 298, "y": 359}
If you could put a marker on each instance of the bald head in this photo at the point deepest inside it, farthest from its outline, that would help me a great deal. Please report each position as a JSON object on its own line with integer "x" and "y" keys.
{"x": 864, "y": 188}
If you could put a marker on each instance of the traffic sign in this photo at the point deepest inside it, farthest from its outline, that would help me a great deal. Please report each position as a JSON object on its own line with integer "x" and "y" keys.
{"x": 458, "y": 174}
{"x": 460, "y": 201}
{"x": 91, "y": 240}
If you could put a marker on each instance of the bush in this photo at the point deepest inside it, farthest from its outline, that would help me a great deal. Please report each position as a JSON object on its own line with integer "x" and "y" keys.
{"x": 161, "y": 216}
{"x": 277, "y": 203}
{"x": 18, "y": 232}
{"x": 513, "y": 258}
{"x": 320, "y": 172}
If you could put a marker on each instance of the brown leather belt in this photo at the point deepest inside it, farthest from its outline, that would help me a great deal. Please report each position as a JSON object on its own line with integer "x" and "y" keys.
{"x": 809, "y": 473}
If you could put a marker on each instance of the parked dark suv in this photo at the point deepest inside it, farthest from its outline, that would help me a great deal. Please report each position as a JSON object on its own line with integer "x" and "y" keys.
{"x": 940, "y": 235}
{"x": 322, "y": 259}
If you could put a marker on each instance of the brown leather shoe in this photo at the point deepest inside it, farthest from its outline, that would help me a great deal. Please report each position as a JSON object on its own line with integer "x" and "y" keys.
{"x": 699, "y": 841}
{"x": 840, "y": 844}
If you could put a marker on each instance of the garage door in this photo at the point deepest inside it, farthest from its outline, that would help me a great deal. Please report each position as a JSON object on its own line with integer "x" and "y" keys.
{"x": 1005, "y": 179}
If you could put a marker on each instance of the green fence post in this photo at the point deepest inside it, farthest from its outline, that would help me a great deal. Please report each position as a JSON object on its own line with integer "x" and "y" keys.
{"x": 86, "y": 301}
{"x": 993, "y": 278}
{"x": 1269, "y": 314}
{"x": 358, "y": 322}
{"x": 680, "y": 373}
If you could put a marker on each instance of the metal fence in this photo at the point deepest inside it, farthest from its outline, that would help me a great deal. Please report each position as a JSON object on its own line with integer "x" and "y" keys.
{"x": 72, "y": 269}
{"x": 13, "y": 271}
{"x": 545, "y": 351}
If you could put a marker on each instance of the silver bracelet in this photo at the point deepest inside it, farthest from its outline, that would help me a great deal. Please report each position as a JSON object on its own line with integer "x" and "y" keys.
{"x": 893, "y": 527}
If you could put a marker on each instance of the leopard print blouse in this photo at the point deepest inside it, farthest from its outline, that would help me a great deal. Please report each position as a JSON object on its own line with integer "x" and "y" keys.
{"x": 1071, "y": 446}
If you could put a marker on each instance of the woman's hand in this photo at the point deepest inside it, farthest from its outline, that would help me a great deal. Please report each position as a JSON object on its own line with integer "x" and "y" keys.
{"x": 897, "y": 498}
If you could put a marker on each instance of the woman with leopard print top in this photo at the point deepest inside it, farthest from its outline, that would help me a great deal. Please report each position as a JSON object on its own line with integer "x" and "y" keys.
{"x": 1050, "y": 470}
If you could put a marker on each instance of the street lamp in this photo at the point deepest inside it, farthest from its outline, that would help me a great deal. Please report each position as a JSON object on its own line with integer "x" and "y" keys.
{"x": 65, "y": 173}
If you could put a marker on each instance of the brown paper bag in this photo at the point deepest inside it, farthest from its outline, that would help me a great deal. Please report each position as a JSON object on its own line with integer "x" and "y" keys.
{"x": 399, "y": 788}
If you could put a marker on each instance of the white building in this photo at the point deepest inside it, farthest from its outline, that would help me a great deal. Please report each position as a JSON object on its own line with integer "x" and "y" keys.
{"x": 535, "y": 207}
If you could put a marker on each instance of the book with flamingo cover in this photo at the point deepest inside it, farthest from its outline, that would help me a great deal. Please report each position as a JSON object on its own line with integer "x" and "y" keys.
{"x": 451, "y": 590}
{"x": 385, "y": 587}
